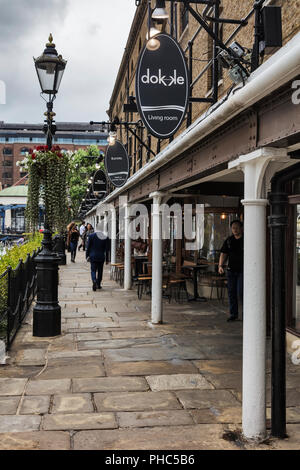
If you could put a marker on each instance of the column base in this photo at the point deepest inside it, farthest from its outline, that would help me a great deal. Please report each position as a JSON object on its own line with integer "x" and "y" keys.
{"x": 46, "y": 321}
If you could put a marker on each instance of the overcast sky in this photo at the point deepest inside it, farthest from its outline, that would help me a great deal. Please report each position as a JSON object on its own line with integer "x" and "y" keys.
{"x": 91, "y": 35}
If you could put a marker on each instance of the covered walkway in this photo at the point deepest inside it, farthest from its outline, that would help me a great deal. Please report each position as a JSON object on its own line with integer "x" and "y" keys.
{"x": 113, "y": 380}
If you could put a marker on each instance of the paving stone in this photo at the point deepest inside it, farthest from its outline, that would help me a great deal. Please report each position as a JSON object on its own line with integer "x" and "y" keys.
{"x": 79, "y": 421}
{"x": 136, "y": 334}
{"x": 12, "y": 386}
{"x": 31, "y": 357}
{"x": 73, "y": 354}
{"x": 206, "y": 398}
{"x": 136, "y": 401}
{"x": 197, "y": 437}
{"x": 100, "y": 335}
{"x": 11, "y": 371}
{"x": 178, "y": 382}
{"x": 106, "y": 384}
{"x": 175, "y": 366}
{"x": 225, "y": 381}
{"x": 220, "y": 366}
{"x": 9, "y": 405}
{"x": 35, "y": 405}
{"x": 19, "y": 423}
{"x": 293, "y": 414}
{"x": 159, "y": 353}
{"x": 72, "y": 367}
{"x": 292, "y": 442}
{"x": 218, "y": 415}
{"x": 48, "y": 387}
{"x": 154, "y": 418}
{"x": 38, "y": 440}
{"x": 72, "y": 403}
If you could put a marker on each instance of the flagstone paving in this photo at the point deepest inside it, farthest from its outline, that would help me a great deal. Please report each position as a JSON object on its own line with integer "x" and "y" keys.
{"x": 112, "y": 380}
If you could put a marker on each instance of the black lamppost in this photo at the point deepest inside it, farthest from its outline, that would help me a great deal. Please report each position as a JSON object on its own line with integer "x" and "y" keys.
{"x": 47, "y": 313}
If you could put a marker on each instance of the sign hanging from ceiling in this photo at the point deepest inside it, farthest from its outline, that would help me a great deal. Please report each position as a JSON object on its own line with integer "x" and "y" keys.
{"x": 162, "y": 87}
{"x": 117, "y": 164}
{"x": 99, "y": 185}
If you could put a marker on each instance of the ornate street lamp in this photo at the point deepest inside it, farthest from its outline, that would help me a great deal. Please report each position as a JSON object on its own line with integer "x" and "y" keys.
{"x": 50, "y": 68}
{"x": 47, "y": 312}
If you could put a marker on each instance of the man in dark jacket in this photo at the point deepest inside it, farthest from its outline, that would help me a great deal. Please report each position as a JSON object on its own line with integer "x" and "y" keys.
{"x": 233, "y": 250}
{"x": 97, "y": 251}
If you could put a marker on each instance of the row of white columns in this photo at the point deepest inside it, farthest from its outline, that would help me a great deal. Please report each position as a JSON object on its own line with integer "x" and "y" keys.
{"x": 254, "y": 308}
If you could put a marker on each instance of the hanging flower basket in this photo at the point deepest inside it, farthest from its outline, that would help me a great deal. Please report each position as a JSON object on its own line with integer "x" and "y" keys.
{"x": 47, "y": 173}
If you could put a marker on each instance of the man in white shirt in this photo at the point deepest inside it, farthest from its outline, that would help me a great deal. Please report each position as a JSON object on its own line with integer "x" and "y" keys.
{"x": 81, "y": 233}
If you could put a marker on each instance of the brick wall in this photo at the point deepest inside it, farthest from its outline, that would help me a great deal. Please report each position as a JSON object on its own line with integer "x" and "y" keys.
{"x": 202, "y": 52}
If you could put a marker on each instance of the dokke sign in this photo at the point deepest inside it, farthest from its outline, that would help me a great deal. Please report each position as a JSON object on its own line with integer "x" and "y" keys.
{"x": 162, "y": 87}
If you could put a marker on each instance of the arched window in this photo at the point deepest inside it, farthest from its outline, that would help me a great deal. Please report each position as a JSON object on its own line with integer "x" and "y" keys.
{"x": 24, "y": 150}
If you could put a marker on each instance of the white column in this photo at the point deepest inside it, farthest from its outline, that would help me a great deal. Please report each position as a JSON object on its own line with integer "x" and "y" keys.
{"x": 254, "y": 166}
{"x": 254, "y": 321}
{"x": 127, "y": 249}
{"x": 156, "y": 306}
{"x": 113, "y": 236}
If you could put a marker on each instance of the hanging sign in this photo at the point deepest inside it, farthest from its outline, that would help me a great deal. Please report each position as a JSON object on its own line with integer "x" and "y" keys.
{"x": 162, "y": 87}
{"x": 117, "y": 164}
{"x": 99, "y": 185}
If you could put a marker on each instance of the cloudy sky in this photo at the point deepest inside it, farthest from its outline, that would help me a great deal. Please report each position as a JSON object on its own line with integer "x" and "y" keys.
{"x": 91, "y": 35}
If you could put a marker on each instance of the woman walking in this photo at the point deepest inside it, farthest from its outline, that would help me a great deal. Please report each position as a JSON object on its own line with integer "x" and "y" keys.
{"x": 72, "y": 240}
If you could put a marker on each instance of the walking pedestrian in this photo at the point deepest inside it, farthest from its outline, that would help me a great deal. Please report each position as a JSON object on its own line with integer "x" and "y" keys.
{"x": 72, "y": 240}
{"x": 82, "y": 231}
{"x": 97, "y": 251}
{"x": 87, "y": 233}
{"x": 233, "y": 251}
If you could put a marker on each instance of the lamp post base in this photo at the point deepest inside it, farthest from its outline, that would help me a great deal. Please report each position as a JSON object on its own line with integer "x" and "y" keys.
{"x": 47, "y": 312}
{"x": 46, "y": 321}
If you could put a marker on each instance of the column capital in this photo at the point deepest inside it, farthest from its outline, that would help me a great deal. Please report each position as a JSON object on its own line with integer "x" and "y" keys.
{"x": 157, "y": 194}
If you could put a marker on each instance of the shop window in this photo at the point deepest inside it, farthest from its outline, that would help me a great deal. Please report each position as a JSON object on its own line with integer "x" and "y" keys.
{"x": 7, "y": 151}
{"x": 18, "y": 219}
{"x": 216, "y": 229}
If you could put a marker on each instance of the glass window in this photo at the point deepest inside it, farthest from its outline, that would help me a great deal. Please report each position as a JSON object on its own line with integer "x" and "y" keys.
{"x": 24, "y": 150}
{"x": 216, "y": 230}
{"x": 7, "y": 151}
{"x": 296, "y": 283}
{"x": 18, "y": 219}
{"x": 7, "y": 175}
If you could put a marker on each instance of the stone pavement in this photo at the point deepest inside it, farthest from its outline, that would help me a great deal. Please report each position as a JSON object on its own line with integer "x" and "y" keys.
{"x": 114, "y": 381}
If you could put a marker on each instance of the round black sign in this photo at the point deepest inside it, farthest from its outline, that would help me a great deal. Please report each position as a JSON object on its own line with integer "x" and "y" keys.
{"x": 99, "y": 185}
{"x": 162, "y": 87}
{"x": 117, "y": 164}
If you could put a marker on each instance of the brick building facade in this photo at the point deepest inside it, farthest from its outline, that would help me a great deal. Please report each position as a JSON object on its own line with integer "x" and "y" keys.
{"x": 188, "y": 30}
{"x": 17, "y": 139}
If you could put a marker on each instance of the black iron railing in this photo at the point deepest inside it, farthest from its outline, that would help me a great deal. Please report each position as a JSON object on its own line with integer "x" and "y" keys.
{"x": 17, "y": 291}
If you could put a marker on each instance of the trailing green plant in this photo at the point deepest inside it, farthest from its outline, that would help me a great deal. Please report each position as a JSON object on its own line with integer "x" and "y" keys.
{"x": 47, "y": 183}
{"x": 83, "y": 165}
